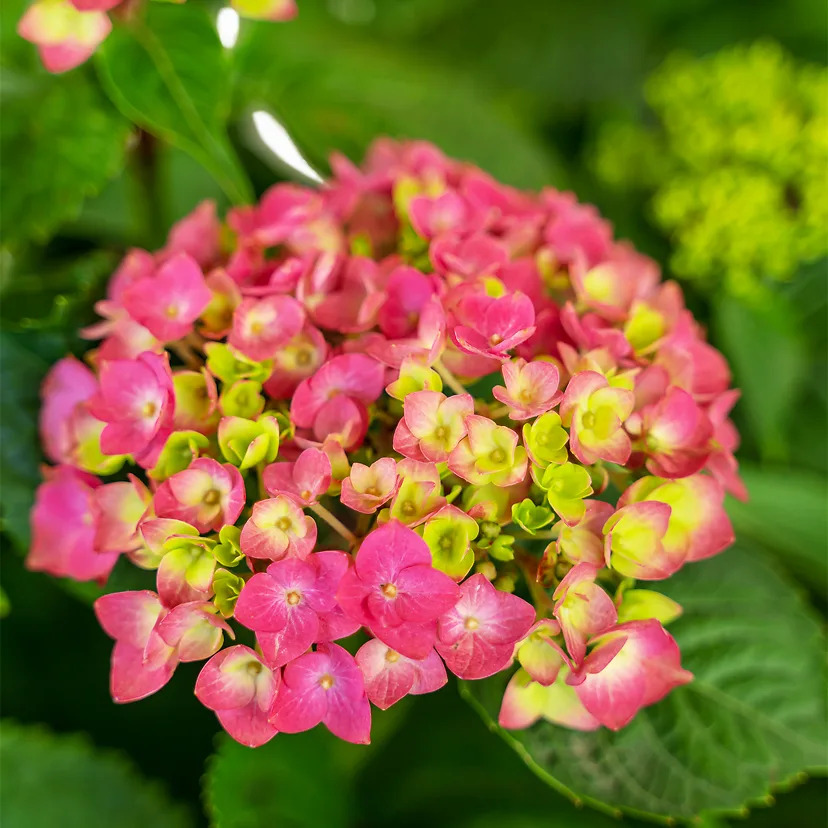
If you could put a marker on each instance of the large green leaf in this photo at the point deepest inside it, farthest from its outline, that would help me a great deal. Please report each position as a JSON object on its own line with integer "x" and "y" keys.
{"x": 51, "y": 781}
{"x": 60, "y": 143}
{"x": 168, "y": 72}
{"x": 786, "y": 514}
{"x": 768, "y": 354}
{"x": 752, "y": 721}
{"x": 364, "y": 89}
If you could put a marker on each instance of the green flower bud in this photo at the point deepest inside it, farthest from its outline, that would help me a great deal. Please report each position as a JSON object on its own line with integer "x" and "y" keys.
{"x": 229, "y": 364}
{"x": 641, "y": 604}
{"x": 226, "y": 587}
{"x": 246, "y": 443}
{"x": 530, "y": 517}
{"x": 501, "y": 548}
{"x": 545, "y": 440}
{"x": 228, "y": 552}
{"x": 181, "y": 448}
{"x": 242, "y": 399}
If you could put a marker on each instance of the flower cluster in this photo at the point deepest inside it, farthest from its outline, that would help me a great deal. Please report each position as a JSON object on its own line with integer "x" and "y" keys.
{"x": 735, "y": 164}
{"x": 377, "y": 414}
{"x": 68, "y": 32}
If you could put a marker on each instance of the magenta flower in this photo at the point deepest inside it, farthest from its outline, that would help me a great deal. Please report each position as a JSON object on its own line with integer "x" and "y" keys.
{"x": 198, "y": 234}
{"x": 389, "y": 676}
{"x": 142, "y": 662}
{"x": 120, "y": 507}
{"x": 325, "y": 686}
{"x": 490, "y": 326}
{"x": 136, "y": 401}
{"x": 630, "y": 667}
{"x": 207, "y": 494}
{"x": 406, "y": 294}
{"x": 531, "y": 388}
{"x": 240, "y": 688}
{"x": 395, "y": 591}
{"x": 367, "y": 487}
{"x": 468, "y": 258}
{"x": 477, "y": 636}
{"x": 278, "y": 528}
{"x": 262, "y": 326}
{"x": 64, "y": 524}
{"x": 305, "y": 480}
{"x": 432, "y": 425}
{"x": 168, "y": 303}
{"x": 288, "y": 599}
{"x": 446, "y": 213}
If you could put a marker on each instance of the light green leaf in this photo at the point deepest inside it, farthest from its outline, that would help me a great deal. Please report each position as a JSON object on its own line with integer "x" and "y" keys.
{"x": 51, "y": 781}
{"x": 766, "y": 349}
{"x": 168, "y": 72}
{"x": 752, "y": 721}
{"x": 786, "y": 514}
{"x": 60, "y": 143}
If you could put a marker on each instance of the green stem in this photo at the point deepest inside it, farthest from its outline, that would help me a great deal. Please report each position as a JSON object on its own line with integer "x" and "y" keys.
{"x": 144, "y": 167}
{"x": 540, "y": 597}
{"x": 335, "y": 523}
{"x": 449, "y": 378}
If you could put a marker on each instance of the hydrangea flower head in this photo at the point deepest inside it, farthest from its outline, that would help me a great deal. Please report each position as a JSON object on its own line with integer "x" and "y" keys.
{"x": 313, "y": 462}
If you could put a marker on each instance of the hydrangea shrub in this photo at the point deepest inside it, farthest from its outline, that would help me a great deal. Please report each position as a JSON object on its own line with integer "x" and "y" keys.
{"x": 734, "y": 164}
{"x": 411, "y": 423}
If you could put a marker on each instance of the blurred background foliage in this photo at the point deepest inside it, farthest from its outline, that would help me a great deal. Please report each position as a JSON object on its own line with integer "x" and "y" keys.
{"x": 707, "y": 151}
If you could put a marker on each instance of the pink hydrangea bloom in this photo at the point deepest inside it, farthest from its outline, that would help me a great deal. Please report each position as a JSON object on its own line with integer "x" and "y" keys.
{"x": 394, "y": 590}
{"x": 477, "y": 636}
{"x": 337, "y": 346}
{"x": 241, "y": 689}
{"x": 325, "y": 687}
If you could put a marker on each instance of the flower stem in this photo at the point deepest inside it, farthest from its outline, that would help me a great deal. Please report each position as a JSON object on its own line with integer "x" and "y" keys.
{"x": 498, "y": 412}
{"x": 551, "y": 534}
{"x": 335, "y": 523}
{"x": 449, "y": 378}
{"x": 540, "y": 597}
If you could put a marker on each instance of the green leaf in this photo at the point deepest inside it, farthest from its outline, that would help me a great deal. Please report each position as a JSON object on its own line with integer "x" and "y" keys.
{"x": 764, "y": 343}
{"x": 786, "y": 514}
{"x": 24, "y": 360}
{"x": 294, "y": 781}
{"x": 169, "y": 73}
{"x": 64, "y": 781}
{"x": 364, "y": 89}
{"x": 60, "y": 143}
{"x": 752, "y": 721}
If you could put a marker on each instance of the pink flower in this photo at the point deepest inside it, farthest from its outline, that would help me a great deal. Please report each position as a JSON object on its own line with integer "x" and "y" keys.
{"x": 325, "y": 686}
{"x": 630, "y": 667}
{"x": 194, "y": 629}
{"x": 677, "y": 433}
{"x": 288, "y": 599}
{"x": 406, "y": 294}
{"x": 445, "y": 213}
{"x": 584, "y": 542}
{"x": 489, "y": 454}
{"x": 142, "y": 662}
{"x": 241, "y": 689}
{"x": 65, "y": 36}
{"x": 531, "y": 388}
{"x": 490, "y": 326}
{"x": 477, "y": 636}
{"x": 64, "y": 524}
{"x": 136, "y": 401}
{"x": 468, "y": 258}
{"x": 68, "y": 384}
{"x": 207, "y": 495}
{"x": 169, "y": 302}
{"x": 368, "y": 487}
{"x": 432, "y": 425}
{"x": 262, "y": 326}
{"x": 198, "y": 234}
{"x": 389, "y": 676}
{"x": 295, "y": 361}
{"x": 596, "y": 413}
{"x": 634, "y": 542}
{"x": 355, "y": 376}
{"x": 119, "y": 509}
{"x": 583, "y": 609}
{"x": 305, "y": 480}
{"x": 278, "y": 528}
{"x": 395, "y": 591}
